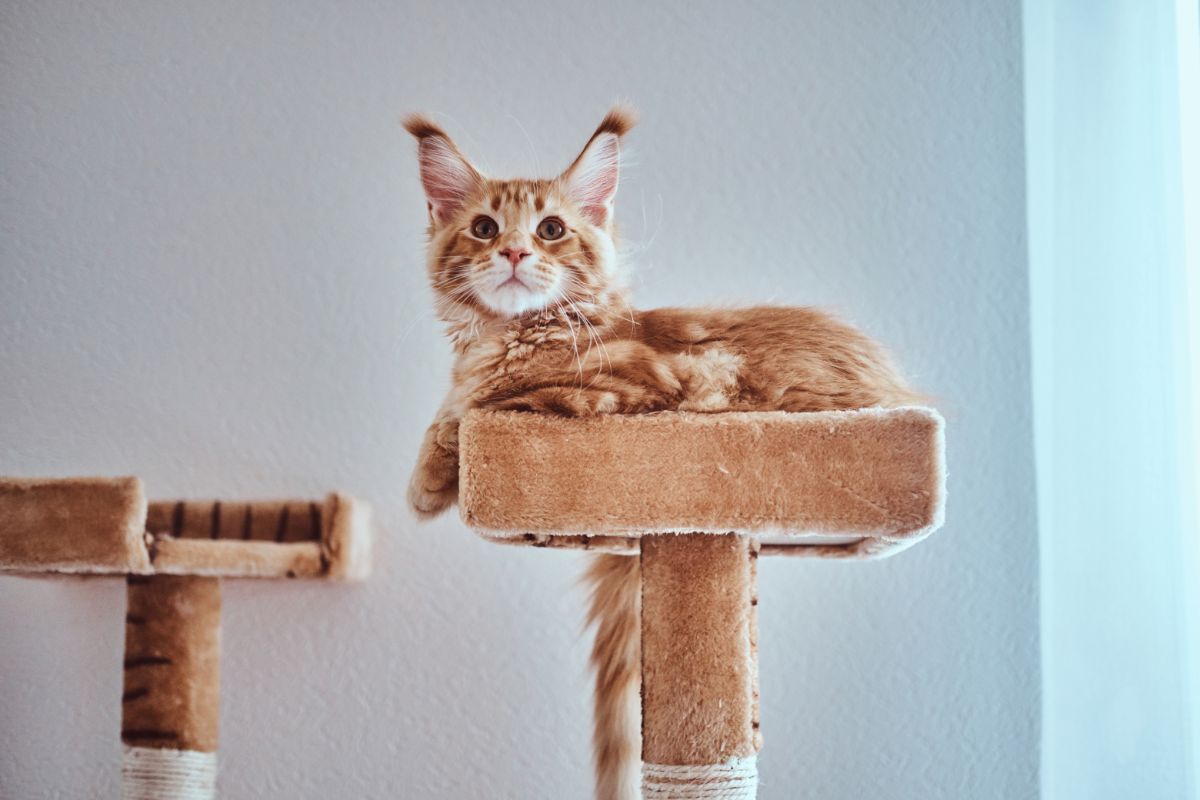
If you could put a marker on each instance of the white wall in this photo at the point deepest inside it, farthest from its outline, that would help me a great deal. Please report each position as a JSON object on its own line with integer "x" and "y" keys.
{"x": 211, "y": 277}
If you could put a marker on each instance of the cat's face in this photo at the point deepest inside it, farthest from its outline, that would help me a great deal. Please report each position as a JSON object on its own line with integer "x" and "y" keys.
{"x": 501, "y": 248}
{"x": 518, "y": 246}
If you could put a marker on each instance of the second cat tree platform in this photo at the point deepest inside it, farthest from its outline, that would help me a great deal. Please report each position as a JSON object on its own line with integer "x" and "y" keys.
{"x": 698, "y": 497}
{"x": 173, "y": 557}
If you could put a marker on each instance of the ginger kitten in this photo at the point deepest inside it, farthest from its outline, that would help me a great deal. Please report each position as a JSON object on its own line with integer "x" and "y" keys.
{"x": 526, "y": 276}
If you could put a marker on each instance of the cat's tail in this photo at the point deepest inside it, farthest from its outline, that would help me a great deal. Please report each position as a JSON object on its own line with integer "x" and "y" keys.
{"x": 615, "y": 610}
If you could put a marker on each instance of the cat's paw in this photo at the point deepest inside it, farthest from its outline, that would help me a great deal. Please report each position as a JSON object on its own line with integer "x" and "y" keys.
{"x": 434, "y": 484}
{"x": 426, "y": 504}
{"x": 428, "y": 499}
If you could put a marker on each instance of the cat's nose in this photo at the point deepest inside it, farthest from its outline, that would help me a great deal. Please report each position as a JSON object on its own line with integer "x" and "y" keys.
{"x": 514, "y": 254}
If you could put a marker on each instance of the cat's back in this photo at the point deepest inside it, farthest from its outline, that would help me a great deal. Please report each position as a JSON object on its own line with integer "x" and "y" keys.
{"x": 791, "y": 358}
{"x": 751, "y": 326}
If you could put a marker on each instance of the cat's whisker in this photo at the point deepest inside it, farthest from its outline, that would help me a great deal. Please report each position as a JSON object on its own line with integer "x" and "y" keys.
{"x": 574, "y": 342}
{"x": 579, "y": 317}
{"x": 533, "y": 151}
{"x": 412, "y": 323}
{"x": 581, "y": 288}
{"x": 635, "y": 248}
{"x": 451, "y": 301}
{"x": 452, "y": 289}
{"x": 593, "y": 333}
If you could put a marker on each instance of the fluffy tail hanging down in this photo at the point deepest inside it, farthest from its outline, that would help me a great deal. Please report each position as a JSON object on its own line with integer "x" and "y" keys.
{"x": 615, "y": 610}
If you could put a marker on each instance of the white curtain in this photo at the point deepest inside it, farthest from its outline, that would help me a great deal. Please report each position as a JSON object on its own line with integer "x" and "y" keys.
{"x": 1113, "y": 161}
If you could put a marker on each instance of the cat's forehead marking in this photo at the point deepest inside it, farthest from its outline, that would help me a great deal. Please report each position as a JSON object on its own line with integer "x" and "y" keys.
{"x": 519, "y": 193}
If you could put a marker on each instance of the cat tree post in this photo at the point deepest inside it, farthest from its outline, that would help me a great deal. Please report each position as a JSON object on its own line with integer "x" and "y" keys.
{"x": 173, "y": 556}
{"x": 170, "y": 705}
{"x": 856, "y": 484}
{"x": 699, "y": 723}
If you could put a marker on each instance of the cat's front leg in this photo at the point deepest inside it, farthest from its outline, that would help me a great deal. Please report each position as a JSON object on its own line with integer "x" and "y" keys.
{"x": 567, "y": 401}
{"x": 434, "y": 484}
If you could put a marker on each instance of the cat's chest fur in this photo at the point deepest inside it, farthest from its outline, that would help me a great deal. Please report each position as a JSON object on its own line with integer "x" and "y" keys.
{"x": 576, "y": 366}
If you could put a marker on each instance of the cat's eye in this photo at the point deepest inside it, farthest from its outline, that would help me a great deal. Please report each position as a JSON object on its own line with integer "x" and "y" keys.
{"x": 484, "y": 228}
{"x": 551, "y": 228}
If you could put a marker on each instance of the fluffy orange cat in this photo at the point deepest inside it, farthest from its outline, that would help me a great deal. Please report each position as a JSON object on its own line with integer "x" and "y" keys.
{"x": 526, "y": 276}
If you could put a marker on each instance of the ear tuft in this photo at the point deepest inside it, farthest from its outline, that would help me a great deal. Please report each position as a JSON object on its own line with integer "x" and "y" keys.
{"x": 619, "y": 121}
{"x": 422, "y": 126}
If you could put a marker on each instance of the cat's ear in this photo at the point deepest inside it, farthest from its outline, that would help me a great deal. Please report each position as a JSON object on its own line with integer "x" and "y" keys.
{"x": 446, "y": 174}
{"x": 591, "y": 180}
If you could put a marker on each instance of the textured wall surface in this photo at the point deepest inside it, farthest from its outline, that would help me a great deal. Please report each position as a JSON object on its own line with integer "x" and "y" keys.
{"x": 211, "y": 276}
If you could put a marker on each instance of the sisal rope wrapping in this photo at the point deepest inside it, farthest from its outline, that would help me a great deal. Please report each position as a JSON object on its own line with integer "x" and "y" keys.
{"x": 736, "y": 779}
{"x": 152, "y": 774}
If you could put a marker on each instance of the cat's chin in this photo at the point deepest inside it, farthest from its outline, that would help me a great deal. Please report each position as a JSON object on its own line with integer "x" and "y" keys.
{"x": 513, "y": 300}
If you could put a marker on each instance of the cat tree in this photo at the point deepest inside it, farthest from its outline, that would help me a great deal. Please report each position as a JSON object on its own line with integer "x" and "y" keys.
{"x": 698, "y": 497}
{"x": 173, "y": 556}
